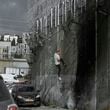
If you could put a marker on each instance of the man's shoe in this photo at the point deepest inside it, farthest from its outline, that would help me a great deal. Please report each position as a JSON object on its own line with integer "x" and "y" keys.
{"x": 59, "y": 78}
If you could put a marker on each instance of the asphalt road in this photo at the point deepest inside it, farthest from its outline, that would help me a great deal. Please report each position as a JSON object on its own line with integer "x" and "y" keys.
{"x": 41, "y": 108}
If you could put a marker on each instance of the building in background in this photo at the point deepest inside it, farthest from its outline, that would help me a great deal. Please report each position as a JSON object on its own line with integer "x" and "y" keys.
{"x": 5, "y": 50}
{"x": 13, "y": 46}
{"x": 13, "y": 54}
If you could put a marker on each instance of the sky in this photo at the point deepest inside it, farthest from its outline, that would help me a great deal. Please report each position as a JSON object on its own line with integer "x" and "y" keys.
{"x": 13, "y": 16}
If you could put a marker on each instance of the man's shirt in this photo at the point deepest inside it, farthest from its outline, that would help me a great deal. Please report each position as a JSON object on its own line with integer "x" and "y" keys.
{"x": 57, "y": 59}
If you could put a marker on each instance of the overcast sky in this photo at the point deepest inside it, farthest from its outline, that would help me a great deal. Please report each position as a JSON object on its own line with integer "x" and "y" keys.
{"x": 13, "y": 16}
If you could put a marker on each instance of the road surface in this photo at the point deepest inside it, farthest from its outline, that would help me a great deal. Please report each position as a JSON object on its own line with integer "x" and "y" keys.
{"x": 41, "y": 108}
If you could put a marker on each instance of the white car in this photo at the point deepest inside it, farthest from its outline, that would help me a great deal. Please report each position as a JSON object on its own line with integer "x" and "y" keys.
{"x": 9, "y": 78}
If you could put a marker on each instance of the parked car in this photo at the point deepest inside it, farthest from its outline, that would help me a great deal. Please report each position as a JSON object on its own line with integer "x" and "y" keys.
{"x": 9, "y": 78}
{"x": 25, "y": 94}
{"x": 6, "y": 100}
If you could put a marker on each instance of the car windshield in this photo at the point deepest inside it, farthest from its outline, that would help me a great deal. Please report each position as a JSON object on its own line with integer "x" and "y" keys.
{"x": 4, "y": 94}
{"x": 26, "y": 89}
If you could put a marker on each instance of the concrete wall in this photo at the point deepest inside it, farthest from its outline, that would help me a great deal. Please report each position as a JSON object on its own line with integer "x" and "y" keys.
{"x": 44, "y": 70}
{"x": 85, "y": 50}
{"x": 74, "y": 47}
{"x": 103, "y": 64}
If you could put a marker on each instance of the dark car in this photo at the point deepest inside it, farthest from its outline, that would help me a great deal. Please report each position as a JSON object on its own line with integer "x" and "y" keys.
{"x": 6, "y": 101}
{"x": 25, "y": 94}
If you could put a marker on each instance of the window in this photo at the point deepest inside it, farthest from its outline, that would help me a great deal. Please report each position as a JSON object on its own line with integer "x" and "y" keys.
{"x": 25, "y": 45}
{"x": 25, "y": 50}
{"x": 26, "y": 89}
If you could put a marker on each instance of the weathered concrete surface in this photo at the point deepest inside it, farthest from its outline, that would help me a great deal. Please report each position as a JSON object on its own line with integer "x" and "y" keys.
{"x": 103, "y": 63}
{"x": 45, "y": 76}
{"x": 86, "y": 78}
{"x": 41, "y": 108}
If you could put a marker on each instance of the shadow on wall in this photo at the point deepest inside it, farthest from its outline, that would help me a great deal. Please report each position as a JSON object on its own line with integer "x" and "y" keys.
{"x": 85, "y": 77}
